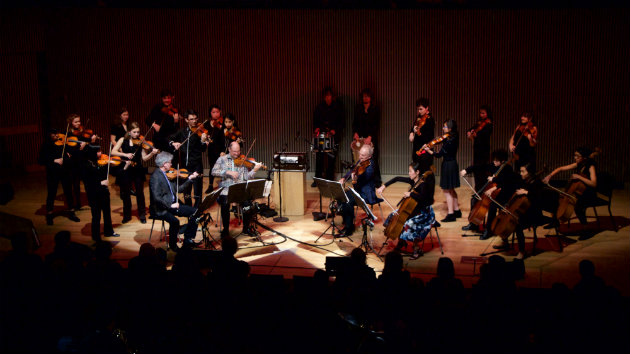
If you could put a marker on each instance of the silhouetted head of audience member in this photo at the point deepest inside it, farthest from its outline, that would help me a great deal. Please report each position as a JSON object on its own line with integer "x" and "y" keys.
{"x": 147, "y": 251}
{"x": 393, "y": 262}
{"x": 445, "y": 268}
{"x": 587, "y": 268}
{"x": 62, "y": 239}
{"x": 229, "y": 245}
{"x": 19, "y": 243}
{"x": 103, "y": 250}
{"x": 358, "y": 256}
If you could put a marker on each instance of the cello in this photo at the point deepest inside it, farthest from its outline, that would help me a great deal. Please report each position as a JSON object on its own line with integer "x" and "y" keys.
{"x": 406, "y": 206}
{"x": 575, "y": 189}
{"x": 478, "y": 213}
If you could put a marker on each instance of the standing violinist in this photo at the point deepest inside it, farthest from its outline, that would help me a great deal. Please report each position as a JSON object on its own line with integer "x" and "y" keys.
{"x": 77, "y": 156}
{"x": 531, "y": 187}
{"x": 506, "y": 181}
{"x": 480, "y": 135}
{"x": 421, "y": 219}
{"x": 119, "y": 128}
{"x": 367, "y": 123}
{"x": 97, "y": 189}
{"x": 523, "y": 142}
{"x": 449, "y": 180}
{"x": 56, "y": 171}
{"x": 132, "y": 172}
{"x": 164, "y": 119}
{"x": 363, "y": 177}
{"x": 231, "y": 131}
{"x": 189, "y": 148}
{"x": 422, "y": 132}
{"x": 328, "y": 120}
{"x": 586, "y": 169}
{"x": 228, "y": 169}
{"x": 216, "y": 144}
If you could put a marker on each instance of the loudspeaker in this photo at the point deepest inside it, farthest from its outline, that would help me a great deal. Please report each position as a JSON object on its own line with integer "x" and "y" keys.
{"x": 207, "y": 258}
{"x": 12, "y": 224}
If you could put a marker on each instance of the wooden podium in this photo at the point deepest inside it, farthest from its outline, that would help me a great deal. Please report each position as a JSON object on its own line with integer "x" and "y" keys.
{"x": 293, "y": 201}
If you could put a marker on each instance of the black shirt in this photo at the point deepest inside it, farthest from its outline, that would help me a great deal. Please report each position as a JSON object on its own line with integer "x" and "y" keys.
{"x": 367, "y": 124}
{"x": 449, "y": 148}
{"x": 422, "y": 194}
{"x": 118, "y": 130}
{"x": 328, "y": 118}
{"x": 427, "y": 133}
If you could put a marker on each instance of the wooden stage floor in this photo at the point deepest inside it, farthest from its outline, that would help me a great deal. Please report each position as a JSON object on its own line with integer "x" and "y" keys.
{"x": 299, "y": 255}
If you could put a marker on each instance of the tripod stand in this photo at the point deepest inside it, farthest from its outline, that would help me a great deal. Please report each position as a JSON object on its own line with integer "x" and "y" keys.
{"x": 334, "y": 191}
{"x": 333, "y": 207}
{"x": 205, "y": 218}
{"x": 365, "y": 245}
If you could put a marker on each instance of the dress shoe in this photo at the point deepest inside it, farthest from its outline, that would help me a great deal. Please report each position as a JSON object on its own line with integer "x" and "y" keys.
{"x": 486, "y": 235}
{"x": 126, "y": 220}
{"x": 313, "y": 184}
{"x": 132, "y": 192}
{"x": 49, "y": 219}
{"x": 113, "y": 235}
{"x": 449, "y": 218}
{"x": 348, "y": 231}
{"x": 457, "y": 213}
{"x": 143, "y": 221}
{"x": 72, "y": 216}
{"x": 470, "y": 227}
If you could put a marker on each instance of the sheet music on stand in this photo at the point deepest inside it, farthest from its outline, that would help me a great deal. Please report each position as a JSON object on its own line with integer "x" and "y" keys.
{"x": 207, "y": 202}
{"x": 362, "y": 204}
{"x": 331, "y": 189}
{"x": 248, "y": 190}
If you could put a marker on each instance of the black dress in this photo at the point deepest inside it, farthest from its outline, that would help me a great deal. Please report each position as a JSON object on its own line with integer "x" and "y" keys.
{"x": 450, "y": 170}
{"x": 427, "y": 133}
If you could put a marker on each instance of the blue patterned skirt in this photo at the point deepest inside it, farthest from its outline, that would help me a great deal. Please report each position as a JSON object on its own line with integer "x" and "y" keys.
{"x": 417, "y": 227}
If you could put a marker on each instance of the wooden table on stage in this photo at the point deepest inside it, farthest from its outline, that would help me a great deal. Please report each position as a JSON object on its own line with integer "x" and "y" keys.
{"x": 293, "y": 199}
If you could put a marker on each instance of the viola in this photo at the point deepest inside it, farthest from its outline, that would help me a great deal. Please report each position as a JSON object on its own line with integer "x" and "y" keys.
{"x": 172, "y": 173}
{"x": 357, "y": 170}
{"x": 248, "y": 162}
{"x": 432, "y": 143}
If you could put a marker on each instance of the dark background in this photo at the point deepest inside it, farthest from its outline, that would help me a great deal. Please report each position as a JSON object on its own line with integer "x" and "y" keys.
{"x": 267, "y": 62}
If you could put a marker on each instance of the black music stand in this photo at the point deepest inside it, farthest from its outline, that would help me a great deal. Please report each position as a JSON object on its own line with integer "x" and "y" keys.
{"x": 365, "y": 222}
{"x": 334, "y": 191}
{"x": 203, "y": 218}
{"x": 247, "y": 192}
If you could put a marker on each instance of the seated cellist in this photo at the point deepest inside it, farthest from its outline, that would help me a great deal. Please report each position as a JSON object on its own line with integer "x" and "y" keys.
{"x": 418, "y": 224}
{"x": 587, "y": 174}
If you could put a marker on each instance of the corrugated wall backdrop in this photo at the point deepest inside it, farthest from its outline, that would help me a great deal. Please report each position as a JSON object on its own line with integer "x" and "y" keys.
{"x": 570, "y": 67}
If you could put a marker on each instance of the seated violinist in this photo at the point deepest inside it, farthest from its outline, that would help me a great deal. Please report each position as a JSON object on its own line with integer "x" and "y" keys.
{"x": 363, "y": 179}
{"x": 132, "y": 174}
{"x": 418, "y": 224}
{"x": 165, "y": 205}
{"x": 586, "y": 170}
{"x": 531, "y": 187}
{"x": 231, "y": 171}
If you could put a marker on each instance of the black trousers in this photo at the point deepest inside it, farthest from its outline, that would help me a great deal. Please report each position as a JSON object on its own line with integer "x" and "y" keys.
{"x": 173, "y": 224}
{"x": 75, "y": 180}
{"x": 98, "y": 199}
{"x": 197, "y": 186}
{"x": 126, "y": 180}
{"x": 55, "y": 175}
{"x": 225, "y": 216}
{"x": 325, "y": 165}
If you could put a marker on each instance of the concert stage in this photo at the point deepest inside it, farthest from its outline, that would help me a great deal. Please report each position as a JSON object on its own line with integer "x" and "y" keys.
{"x": 298, "y": 254}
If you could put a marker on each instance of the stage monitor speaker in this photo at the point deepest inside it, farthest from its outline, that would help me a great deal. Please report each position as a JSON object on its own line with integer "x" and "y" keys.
{"x": 207, "y": 258}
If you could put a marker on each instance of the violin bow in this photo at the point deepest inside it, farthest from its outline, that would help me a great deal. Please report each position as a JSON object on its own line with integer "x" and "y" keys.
{"x": 144, "y": 137}
{"x": 109, "y": 158}
{"x": 65, "y": 140}
{"x": 185, "y": 140}
{"x": 473, "y": 189}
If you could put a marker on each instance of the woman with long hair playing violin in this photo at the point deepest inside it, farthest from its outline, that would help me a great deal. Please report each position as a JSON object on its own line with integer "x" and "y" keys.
{"x": 216, "y": 145}
{"x": 132, "y": 173}
{"x": 586, "y": 169}
{"x": 449, "y": 180}
{"x": 523, "y": 142}
{"x": 231, "y": 131}
{"x": 418, "y": 224}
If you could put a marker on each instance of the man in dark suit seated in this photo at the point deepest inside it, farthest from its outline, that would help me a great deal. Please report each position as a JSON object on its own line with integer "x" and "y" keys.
{"x": 165, "y": 205}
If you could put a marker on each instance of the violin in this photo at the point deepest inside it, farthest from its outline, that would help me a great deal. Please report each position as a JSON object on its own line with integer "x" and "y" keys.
{"x": 216, "y": 123}
{"x": 173, "y": 173}
{"x": 170, "y": 110}
{"x": 419, "y": 123}
{"x": 83, "y": 133}
{"x": 200, "y": 130}
{"x": 62, "y": 139}
{"x": 248, "y": 162}
{"x": 145, "y": 144}
{"x": 433, "y": 143}
{"x": 106, "y": 160}
{"x": 479, "y": 126}
{"x": 357, "y": 170}
{"x": 233, "y": 134}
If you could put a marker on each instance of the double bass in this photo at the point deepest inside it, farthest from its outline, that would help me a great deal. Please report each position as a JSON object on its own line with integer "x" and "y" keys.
{"x": 406, "y": 206}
